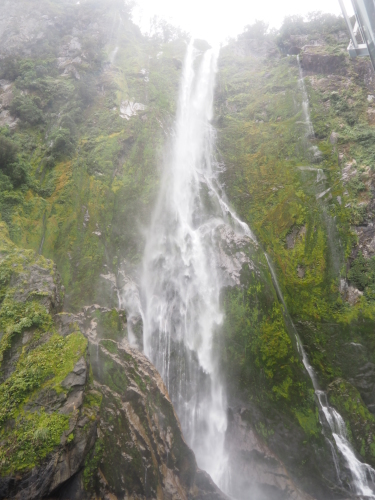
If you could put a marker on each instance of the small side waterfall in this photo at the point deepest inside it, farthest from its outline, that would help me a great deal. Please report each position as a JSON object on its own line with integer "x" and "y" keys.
{"x": 363, "y": 476}
{"x": 305, "y": 102}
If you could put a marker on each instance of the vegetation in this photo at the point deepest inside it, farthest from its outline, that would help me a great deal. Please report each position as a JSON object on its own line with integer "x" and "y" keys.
{"x": 303, "y": 219}
{"x": 77, "y": 180}
{"x": 44, "y": 360}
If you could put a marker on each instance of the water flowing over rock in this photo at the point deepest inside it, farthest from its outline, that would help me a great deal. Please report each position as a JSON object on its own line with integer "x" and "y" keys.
{"x": 119, "y": 434}
{"x": 180, "y": 284}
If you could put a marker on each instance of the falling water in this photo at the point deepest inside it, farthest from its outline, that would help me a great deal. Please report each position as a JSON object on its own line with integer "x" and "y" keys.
{"x": 181, "y": 282}
{"x": 305, "y": 102}
{"x": 363, "y": 476}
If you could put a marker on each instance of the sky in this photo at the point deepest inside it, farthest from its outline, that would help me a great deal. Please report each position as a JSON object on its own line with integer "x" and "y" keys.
{"x": 216, "y": 20}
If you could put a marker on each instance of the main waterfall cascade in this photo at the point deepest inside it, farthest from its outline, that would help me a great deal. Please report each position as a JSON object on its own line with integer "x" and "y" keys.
{"x": 181, "y": 284}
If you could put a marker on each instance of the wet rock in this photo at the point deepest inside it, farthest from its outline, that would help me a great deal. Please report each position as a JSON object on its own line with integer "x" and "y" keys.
{"x": 320, "y": 63}
{"x": 301, "y": 272}
{"x": 364, "y": 381}
{"x": 333, "y": 138}
{"x": 177, "y": 63}
{"x": 255, "y": 470}
{"x": 131, "y": 108}
{"x": 77, "y": 376}
{"x": 294, "y": 235}
{"x": 142, "y": 449}
{"x": 366, "y": 240}
{"x": 41, "y": 283}
{"x": 349, "y": 292}
{"x": 349, "y": 171}
{"x": 371, "y": 116}
{"x": 233, "y": 256}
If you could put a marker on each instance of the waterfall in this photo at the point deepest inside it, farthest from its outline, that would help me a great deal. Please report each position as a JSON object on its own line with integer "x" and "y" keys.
{"x": 363, "y": 476}
{"x": 181, "y": 283}
{"x": 305, "y": 102}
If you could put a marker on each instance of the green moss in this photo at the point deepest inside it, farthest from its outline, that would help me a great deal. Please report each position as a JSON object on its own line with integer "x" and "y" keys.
{"x": 309, "y": 421}
{"x": 44, "y": 366}
{"x": 32, "y": 438}
{"x": 110, "y": 325}
{"x": 110, "y": 345}
{"x": 92, "y": 463}
{"x": 263, "y": 431}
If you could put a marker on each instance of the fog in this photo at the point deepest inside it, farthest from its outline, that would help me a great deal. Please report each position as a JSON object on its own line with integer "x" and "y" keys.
{"x": 218, "y": 20}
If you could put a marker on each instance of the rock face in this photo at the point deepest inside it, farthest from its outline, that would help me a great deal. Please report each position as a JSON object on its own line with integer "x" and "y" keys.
{"x": 83, "y": 414}
{"x": 255, "y": 470}
{"x": 313, "y": 62}
{"x": 140, "y": 449}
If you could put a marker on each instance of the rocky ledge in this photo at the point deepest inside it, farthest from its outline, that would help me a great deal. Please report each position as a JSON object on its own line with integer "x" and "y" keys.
{"x": 83, "y": 415}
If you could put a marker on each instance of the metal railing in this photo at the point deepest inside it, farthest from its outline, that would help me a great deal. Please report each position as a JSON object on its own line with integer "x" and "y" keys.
{"x": 362, "y": 35}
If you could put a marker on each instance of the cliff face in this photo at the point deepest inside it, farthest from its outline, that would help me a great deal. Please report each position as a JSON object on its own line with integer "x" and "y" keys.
{"x": 306, "y": 190}
{"x": 82, "y": 414}
{"x": 86, "y": 103}
{"x": 86, "y": 108}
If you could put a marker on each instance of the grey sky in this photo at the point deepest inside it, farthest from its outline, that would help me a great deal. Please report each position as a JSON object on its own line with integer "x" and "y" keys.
{"x": 215, "y": 20}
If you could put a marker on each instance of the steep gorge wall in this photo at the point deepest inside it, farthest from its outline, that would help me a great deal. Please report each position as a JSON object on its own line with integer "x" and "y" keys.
{"x": 88, "y": 103}
{"x": 309, "y": 200}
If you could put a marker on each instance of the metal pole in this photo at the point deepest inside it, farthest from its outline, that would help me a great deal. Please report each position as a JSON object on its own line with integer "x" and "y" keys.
{"x": 349, "y": 24}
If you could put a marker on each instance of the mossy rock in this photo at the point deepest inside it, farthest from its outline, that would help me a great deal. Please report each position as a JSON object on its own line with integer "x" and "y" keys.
{"x": 345, "y": 398}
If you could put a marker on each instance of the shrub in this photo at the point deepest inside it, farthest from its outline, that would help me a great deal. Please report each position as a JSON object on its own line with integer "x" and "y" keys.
{"x": 25, "y": 108}
{"x": 11, "y": 168}
{"x": 63, "y": 143}
{"x": 8, "y": 153}
{"x": 9, "y": 68}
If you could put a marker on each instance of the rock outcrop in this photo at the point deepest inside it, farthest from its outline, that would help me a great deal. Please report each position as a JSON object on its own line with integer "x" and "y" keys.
{"x": 255, "y": 469}
{"x": 83, "y": 414}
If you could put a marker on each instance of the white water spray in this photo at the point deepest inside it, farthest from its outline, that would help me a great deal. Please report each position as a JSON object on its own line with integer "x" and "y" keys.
{"x": 181, "y": 282}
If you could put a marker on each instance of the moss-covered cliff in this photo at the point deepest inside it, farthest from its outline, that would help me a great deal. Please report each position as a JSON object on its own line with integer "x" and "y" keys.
{"x": 87, "y": 102}
{"x": 86, "y": 107}
{"x": 308, "y": 196}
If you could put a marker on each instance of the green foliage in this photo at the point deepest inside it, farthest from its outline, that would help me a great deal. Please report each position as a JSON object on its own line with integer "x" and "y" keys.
{"x": 8, "y": 153}
{"x": 315, "y": 23}
{"x": 40, "y": 360}
{"x": 258, "y": 348}
{"x": 51, "y": 362}
{"x": 27, "y": 109}
{"x": 92, "y": 463}
{"x": 362, "y": 274}
{"x": 13, "y": 172}
{"x": 63, "y": 142}
{"x": 254, "y": 31}
{"x": 9, "y": 68}
{"x": 32, "y": 438}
